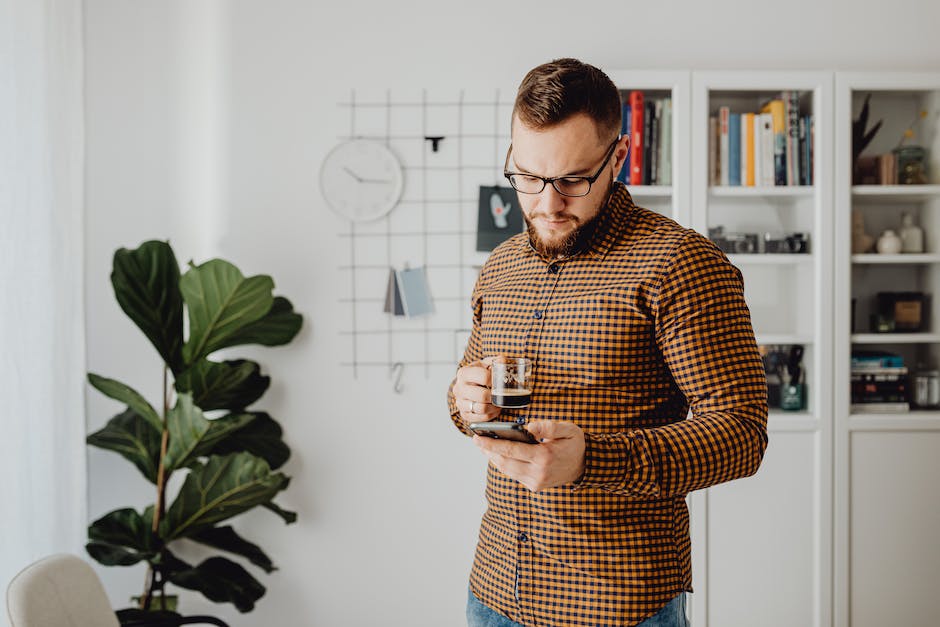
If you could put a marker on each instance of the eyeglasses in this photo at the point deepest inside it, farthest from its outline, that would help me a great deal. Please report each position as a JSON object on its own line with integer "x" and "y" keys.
{"x": 574, "y": 186}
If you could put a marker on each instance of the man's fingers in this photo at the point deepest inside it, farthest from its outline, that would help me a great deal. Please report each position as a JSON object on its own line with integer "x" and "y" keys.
{"x": 552, "y": 429}
{"x": 507, "y": 448}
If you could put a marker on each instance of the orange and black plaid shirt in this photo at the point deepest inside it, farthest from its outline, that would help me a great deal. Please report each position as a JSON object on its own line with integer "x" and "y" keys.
{"x": 646, "y": 323}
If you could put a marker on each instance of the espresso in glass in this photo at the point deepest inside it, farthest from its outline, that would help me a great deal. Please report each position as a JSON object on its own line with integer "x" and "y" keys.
{"x": 510, "y": 382}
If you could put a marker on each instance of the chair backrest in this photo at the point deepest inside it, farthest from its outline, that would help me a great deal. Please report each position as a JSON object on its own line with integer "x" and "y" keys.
{"x": 59, "y": 591}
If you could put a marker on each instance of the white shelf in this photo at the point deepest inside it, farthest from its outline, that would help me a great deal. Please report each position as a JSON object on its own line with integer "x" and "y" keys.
{"x": 782, "y": 191}
{"x": 910, "y": 258}
{"x": 914, "y": 420}
{"x": 770, "y": 259}
{"x": 879, "y": 193}
{"x": 783, "y": 338}
{"x": 650, "y": 191}
{"x": 895, "y": 338}
{"x": 799, "y": 421}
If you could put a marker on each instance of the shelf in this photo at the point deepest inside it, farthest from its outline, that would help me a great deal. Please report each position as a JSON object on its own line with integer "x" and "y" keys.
{"x": 914, "y": 420}
{"x": 782, "y": 191}
{"x": 650, "y": 191}
{"x": 895, "y": 338}
{"x": 895, "y": 192}
{"x": 770, "y": 259}
{"x": 783, "y": 338}
{"x": 779, "y": 420}
{"x": 909, "y": 258}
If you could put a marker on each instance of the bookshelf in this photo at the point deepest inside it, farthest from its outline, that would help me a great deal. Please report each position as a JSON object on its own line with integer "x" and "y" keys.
{"x": 670, "y": 200}
{"x": 883, "y": 551}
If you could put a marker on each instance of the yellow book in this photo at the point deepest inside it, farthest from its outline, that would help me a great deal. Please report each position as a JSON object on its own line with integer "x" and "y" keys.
{"x": 747, "y": 124}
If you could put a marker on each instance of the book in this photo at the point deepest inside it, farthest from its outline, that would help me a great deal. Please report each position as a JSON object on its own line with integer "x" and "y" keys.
{"x": 747, "y": 149}
{"x": 767, "y": 149}
{"x": 665, "y": 148}
{"x": 756, "y": 137}
{"x": 724, "y": 123}
{"x": 654, "y": 108}
{"x": 874, "y": 408}
{"x": 714, "y": 159}
{"x": 791, "y": 100}
{"x": 777, "y": 113}
{"x": 868, "y": 359}
{"x": 636, "y": 137}
{"x": 734, "y": 149}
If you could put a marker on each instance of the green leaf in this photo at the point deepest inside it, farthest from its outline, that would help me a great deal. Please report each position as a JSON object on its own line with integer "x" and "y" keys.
{"x": 289, "y": 517}
{"x": 223, "y": 581}
{"x": 146, "y": 285}
{"x": 187, "y": 426}
{"x": 226, "y": 539}
{"x": 278, "y": 327}
{"x": 261, "y": 437}
{"x": 231, "y": 385}
{"x": 219, "y": 489}
{"x": 221, "y": 302}
{"x": 219, "y": 430}
{"x": 134, "y": 438}
{"x": 121, "y": 538}
{"x": 127, "y": 395}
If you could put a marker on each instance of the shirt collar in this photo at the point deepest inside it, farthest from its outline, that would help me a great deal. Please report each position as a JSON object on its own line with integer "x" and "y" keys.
{"x": 609, "y": 227}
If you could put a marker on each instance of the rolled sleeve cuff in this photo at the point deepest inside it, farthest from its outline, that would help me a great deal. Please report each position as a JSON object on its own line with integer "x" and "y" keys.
{"x": 606, "y": 456}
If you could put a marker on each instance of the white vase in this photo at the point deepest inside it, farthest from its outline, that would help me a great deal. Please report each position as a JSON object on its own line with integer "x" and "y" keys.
{"x": 912, "y": 236}
{"x": 889, "y": 243}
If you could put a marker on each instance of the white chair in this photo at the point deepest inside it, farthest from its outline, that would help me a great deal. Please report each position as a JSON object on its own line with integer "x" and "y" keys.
{"x": 63, "y": 591}
{"x": 59, "y": 591}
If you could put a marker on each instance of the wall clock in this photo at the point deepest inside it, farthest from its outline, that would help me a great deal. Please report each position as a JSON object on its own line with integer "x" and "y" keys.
{"x": 361, "y": 180}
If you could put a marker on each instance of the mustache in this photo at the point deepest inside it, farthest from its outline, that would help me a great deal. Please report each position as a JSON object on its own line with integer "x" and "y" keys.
{"x": 554, "y": 216}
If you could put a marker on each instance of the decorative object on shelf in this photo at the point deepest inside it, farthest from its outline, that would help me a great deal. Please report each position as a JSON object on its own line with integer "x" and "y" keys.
{"x": 783, "y": 367}
{"x": 791, "y": 398}
{"x": 902, "y": 311}
{"x": 777, "y": 243}
{"x": 861, "y": 241}
{"x": 927, "y": 389}
{"x": 879, "y": 382}
{"x": 912, "y": 236}
{"x": 862, "y": 137}
{"x": 911, "y": 165}
{"x": 219, "y": 467}
{"x": 889, "y": 243}
{"x": 734, "y": 243}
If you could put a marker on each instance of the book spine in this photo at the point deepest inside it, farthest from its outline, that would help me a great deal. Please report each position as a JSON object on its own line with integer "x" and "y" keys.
{"x": 655, "y": 131}
{"x": 778, "y": 114}
{"x": 648, "y": 116}
{"x": 792, "y": 102}
{"x": 714, "y": 176}
{"x": 804, "y": 141}
{"x": 766, "y": 149}
{"x": 747, "y": 143}
{"x": 734, "y": 149}
{"x": 756, "y": 138}
{"x": 665, "y": 148}
{"x": 724, "y": 124}
{"x": 636, "y": 137}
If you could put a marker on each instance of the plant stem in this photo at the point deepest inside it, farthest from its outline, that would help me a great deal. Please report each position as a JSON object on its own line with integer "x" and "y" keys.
{"x": 161, "y": 481}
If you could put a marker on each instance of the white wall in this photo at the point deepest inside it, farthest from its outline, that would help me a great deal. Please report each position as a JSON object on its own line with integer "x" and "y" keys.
{"x": 206, "y": 123}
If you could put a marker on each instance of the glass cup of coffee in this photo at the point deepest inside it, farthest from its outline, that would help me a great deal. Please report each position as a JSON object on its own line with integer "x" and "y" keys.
{"x": 510, "y": 382}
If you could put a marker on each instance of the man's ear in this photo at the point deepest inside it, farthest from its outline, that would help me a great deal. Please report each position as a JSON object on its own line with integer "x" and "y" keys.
{"x": 620, "y": 154}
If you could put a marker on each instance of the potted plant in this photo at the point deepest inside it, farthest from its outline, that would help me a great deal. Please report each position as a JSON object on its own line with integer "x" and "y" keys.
{"x": 203, "y": 428}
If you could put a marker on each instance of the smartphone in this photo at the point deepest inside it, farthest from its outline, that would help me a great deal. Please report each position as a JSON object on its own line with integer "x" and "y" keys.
{"x": 503, "y": 431}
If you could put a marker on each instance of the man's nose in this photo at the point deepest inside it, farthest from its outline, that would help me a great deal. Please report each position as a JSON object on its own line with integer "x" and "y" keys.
{"x": 550, "y": 200}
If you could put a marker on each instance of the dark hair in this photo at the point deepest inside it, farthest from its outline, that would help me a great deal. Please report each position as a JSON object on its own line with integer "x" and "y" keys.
{"x": 553, "y": 92}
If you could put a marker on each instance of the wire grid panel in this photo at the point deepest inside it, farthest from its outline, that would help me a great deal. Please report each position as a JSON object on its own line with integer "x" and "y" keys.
{"x": 434, "y": 224}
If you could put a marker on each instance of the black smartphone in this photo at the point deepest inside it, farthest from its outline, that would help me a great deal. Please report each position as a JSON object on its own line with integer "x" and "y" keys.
{"x": 502, "y": 430}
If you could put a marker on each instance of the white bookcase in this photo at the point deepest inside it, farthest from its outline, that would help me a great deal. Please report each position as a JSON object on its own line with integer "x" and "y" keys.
{"x": 839, "y": 526}
{"x": 886, "y": 552}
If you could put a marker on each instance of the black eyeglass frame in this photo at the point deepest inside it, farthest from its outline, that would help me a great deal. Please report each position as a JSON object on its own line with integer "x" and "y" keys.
{"x": 546, "y": 180}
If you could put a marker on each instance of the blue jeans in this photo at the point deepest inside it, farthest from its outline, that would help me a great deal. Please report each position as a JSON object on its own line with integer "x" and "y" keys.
{"x": 672, "y": 615}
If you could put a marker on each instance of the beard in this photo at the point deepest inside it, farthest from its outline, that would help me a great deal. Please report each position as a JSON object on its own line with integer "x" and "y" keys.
{"x": 572, "y": 242}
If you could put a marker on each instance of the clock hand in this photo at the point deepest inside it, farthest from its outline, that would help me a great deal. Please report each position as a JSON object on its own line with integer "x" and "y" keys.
{"x": 374, "y": 181}
{"x": 353, "y": 174}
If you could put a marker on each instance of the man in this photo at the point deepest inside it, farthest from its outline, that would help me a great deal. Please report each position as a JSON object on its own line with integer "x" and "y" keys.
{"x": 631, "y": 321}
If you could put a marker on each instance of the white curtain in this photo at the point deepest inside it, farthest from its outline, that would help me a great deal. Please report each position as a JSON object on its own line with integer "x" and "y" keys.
{"x": 42, "y": 350}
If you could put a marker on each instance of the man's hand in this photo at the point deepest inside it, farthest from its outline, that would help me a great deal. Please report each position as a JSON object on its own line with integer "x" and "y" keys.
{"x": 472, "y": 392}
{"x": 557, "y": 460}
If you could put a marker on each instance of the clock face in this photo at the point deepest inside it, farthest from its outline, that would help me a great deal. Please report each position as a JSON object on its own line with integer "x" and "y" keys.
{"x": 361, "y": 180}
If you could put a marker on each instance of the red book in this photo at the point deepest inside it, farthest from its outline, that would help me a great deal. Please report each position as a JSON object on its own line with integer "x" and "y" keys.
{"x": 636, "y": 137}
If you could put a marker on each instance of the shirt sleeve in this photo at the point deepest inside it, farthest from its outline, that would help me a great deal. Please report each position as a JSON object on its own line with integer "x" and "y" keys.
{"x": 704, "y": 333}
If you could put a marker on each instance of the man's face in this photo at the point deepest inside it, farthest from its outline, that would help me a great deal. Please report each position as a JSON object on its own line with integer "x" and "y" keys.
{"x": 571, "y": 148}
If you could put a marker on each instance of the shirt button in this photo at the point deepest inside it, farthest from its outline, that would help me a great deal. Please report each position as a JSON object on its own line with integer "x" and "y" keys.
{"x": 553, "y": 269}
{"x": 523, "y": 537}
{"x": 537, "y": 315}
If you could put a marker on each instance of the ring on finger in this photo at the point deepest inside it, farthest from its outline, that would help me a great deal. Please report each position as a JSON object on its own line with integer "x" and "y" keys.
{"x": 472, "y": 407}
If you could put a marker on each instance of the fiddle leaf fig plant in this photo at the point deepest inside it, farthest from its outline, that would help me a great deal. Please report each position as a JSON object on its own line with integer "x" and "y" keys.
{"x": 230, "y": 459}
